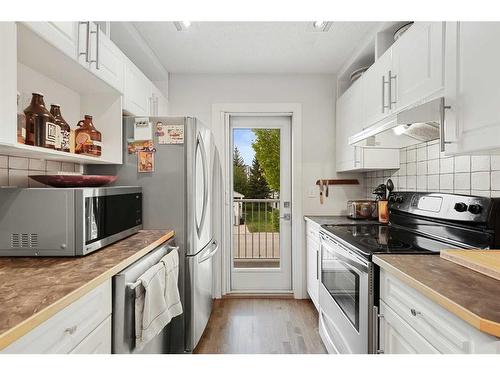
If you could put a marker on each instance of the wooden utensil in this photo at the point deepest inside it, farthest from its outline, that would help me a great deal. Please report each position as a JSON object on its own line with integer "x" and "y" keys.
{"x": 326, "y": 192}
{"x": 321, "y": 197}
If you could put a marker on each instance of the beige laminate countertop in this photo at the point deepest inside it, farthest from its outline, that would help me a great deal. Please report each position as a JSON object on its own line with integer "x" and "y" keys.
{"x": 34, "y": 289}
{"x": 470, "y": 295}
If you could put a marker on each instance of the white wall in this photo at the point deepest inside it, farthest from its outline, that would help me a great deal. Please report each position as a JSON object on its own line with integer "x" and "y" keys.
{"x": 194, "y": 94}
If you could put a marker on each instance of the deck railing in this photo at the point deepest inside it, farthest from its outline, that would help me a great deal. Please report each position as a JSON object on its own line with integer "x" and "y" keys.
{"x": 256, "y": 237}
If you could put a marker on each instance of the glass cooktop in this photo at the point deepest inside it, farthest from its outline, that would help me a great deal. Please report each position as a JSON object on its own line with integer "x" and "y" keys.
{"x": 376, "y": 238}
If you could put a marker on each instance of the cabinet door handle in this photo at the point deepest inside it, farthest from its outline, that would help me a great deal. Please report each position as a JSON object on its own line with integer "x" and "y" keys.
{"x": 384, "y": 82}
{"x": 375, "y": 338}
{"x": 96, "y": 61}
{"x": 391, "y": 78}
{"x": 317, "y": 264}
{"x": 87, "y": 41}
{"x": 442, "y": 138}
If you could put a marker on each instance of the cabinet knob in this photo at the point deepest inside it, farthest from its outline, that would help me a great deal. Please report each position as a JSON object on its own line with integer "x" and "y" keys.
{"x": 415, "y": 312}
{"x": 70, "y": 330}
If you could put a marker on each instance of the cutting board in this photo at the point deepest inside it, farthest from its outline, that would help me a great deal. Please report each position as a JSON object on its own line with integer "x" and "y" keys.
{"x": 486, "y": 262}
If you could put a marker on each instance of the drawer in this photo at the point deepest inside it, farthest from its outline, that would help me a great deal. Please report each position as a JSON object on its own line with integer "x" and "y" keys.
{"x": 442, "y": 329}
{"x": 98, "y": 341}
{"x": 66, "y": 329}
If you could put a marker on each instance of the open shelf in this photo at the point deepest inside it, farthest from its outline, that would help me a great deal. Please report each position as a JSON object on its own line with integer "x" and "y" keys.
{"x": 34, "y": 152}
{"x": 38, "y": 66}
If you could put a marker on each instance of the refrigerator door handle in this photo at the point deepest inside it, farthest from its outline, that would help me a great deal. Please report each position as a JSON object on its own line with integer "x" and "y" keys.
{"x": 201, "y": 149}
{"x": 210, "y": 252}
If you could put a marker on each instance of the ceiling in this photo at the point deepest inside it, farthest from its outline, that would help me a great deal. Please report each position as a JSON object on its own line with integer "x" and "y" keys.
{"x": 253, "y": 47}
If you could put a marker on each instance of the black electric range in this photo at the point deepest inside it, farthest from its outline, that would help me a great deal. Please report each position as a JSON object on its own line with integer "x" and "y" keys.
{"x": 420, "y": 223}
{"x": 425, "y": 223}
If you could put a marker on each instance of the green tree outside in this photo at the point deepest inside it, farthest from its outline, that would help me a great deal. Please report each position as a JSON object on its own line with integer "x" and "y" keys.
{"x": 240, "y": 183}
{"x": 267, "y": 152}
{"x": 258, "y": 187}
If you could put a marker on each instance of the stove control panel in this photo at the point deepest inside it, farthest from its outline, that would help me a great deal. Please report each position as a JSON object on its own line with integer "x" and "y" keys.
{"x": 441, "y": 205}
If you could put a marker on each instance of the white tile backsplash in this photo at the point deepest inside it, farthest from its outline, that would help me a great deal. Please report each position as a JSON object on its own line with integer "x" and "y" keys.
{"x": 37, "y": 165}
{"x": 433, "y": 151}
{"x": 18, "y": 163}
{"x": 462, "y": 164}
{"x": 446, "y": 181}
{"x": 18, "y": 178}
{"x": 468, "y": 175}
{"x": 14, "y": 170}
{"x": 4, "y": 162}
{"x": 462, "y": 181}
{"x": 411, "y": 155}
{"x": 422, "y": 153}
{"x": 480, "y": 180}
{"x": 4, "y": 177}
{"x": 446, "y": 165}
{"x": 480, "y": 163}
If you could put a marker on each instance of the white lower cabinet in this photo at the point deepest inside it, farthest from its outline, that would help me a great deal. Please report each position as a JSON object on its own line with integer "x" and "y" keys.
{"x": 398, "y": 337}
{"x": 412, "y": 323}
{"x": 312, "y": 251}
{"x": 83, "y": 327}
{"x": 98, "y": 341}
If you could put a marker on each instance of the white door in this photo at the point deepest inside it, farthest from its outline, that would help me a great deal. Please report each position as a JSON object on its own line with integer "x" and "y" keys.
{"x": 472, "y": 87}
{"x": 417, "y": 64}
{"x": 261, "y": 213}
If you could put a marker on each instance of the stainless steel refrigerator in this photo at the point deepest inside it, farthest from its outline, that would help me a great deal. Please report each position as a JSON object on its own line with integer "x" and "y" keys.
{"x": 182, "y": 193}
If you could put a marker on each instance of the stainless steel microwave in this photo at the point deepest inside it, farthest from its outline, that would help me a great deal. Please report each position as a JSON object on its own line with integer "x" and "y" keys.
{"x": 66, "y": 221}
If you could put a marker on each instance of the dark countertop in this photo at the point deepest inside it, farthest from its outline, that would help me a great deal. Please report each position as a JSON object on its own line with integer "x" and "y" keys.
{"x": 34, "y": 289}
{"x": 470, "y": 295}
{"x": 334, "y": 220}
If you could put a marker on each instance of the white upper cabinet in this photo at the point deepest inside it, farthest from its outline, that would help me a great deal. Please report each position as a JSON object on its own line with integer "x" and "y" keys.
{"x": 107, "y": 61}
{"x": 159, "y": 102}
{"x": 376, "y": 103}
{"x": 63, "y": 35}
{"x": 417, "y": 64}
{"x": 350, "y": 119}
{"x": 100, "y": 55}
{"x": 472, "y": 88}
{"x": 137, "y": 98}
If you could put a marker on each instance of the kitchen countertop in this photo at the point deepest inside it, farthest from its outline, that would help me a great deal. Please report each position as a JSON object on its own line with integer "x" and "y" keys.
{"x": 335, "y": 220}
{"x": 470, "y": 295}
{"x": 34, "y": 289}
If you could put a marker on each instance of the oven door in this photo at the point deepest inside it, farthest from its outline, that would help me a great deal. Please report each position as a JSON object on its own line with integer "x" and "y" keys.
{"x": 344, "y": 297}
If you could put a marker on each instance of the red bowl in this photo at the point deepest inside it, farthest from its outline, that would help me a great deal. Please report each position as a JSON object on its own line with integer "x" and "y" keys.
{"x": 74, "y": 180}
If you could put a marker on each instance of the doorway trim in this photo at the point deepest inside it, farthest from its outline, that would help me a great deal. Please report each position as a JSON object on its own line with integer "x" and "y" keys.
{"x": 222, "y": 134}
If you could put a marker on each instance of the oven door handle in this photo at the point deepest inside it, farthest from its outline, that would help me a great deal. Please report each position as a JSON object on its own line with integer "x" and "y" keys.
{"x": 349, "y": 260}
{"x": 348, "y": 263}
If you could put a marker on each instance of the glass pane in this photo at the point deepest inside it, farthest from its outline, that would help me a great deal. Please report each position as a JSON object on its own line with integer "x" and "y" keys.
{"x": 343, "y": 285}
{"x": 256, "y": 198}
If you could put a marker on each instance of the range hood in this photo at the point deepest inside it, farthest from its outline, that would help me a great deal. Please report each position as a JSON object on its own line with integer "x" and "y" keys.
{"x": 411, "y": 126}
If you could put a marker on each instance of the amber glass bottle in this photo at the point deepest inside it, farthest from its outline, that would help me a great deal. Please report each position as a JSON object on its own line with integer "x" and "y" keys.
{"x": 88, "y": 141}
{"x": 41, "y": 129}
{"x": 55, "y": 110}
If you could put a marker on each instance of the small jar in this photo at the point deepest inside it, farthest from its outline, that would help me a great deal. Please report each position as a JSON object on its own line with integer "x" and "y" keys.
{"x": 383, "y": 211}
{"x": 88, "y": 140}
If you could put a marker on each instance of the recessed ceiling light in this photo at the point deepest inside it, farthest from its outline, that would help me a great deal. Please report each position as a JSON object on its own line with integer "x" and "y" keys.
{"x": 319, "y": 24}
{"x": 182, "y": 25}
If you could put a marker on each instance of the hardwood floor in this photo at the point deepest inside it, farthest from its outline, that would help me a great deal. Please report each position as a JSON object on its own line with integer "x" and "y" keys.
{"x": 261, "y": 326}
